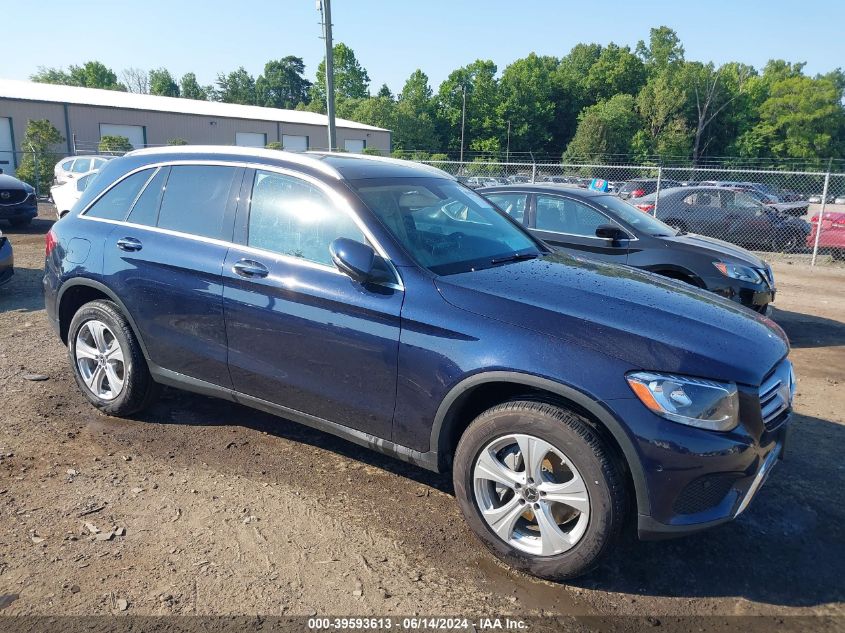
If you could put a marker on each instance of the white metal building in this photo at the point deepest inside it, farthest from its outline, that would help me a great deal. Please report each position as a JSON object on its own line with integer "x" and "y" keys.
{"x": 85, "y": 115}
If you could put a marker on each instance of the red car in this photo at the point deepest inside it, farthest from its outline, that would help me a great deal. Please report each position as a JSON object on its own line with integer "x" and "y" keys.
{"x": 833, "y": 233}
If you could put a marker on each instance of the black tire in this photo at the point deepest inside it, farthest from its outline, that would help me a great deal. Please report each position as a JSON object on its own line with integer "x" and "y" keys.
{"x": 139, "y": 389}
{"x": 20, "y": 223}
{"x": 786, "y": 243}
{"x": 579, "y": 442}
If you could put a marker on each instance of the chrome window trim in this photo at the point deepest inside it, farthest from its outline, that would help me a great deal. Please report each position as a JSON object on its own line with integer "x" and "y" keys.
{"x": 335, "y": 197}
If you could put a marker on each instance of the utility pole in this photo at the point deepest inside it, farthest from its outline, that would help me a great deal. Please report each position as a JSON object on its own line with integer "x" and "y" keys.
{"x": 325, "y": 9}
{"x": 463, "y": 120}
{"x": 508, "y": 150}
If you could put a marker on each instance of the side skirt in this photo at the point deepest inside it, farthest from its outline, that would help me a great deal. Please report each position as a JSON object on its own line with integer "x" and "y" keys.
{"x": 426, "y": 460}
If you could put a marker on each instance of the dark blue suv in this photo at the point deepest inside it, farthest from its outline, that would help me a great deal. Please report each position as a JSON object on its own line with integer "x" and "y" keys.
{"x": 385, "y": 302}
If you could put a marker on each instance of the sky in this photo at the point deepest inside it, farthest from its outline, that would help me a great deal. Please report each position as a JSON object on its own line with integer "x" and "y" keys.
{"x": 392, "y": 38}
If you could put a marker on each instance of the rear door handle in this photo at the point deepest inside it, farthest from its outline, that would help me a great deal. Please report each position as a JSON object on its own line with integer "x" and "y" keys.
{"x": 129, "y": 244}
{"x": 250, "y": 268}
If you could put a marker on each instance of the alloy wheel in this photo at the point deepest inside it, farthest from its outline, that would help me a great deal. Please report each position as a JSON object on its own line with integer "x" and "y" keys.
{"x": 531, "y": 495}
{"x": 100, "y": 360}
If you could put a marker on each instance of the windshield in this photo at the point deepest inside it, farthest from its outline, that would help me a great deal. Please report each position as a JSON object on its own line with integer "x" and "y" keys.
{"x": 444, "y": 226}
{"x": 629, "y": 214}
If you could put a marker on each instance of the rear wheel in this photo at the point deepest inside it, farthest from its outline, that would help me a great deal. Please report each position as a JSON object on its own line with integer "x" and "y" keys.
{"x": 107, "y": 360}
{"x": 540, "y": 488}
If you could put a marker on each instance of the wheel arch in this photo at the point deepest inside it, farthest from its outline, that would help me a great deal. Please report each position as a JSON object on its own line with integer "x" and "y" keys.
{"x": 679, "y": 273}
{"x": 479, "y": 392}
{"x": 76, "y": 293}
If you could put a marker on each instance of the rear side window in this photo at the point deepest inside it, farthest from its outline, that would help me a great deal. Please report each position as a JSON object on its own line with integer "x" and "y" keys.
{"x": 117, "y": 201}
{"x": 145, "y": 210}
{"x": 290, "y": 217}
{"x": 195, "y": 199}
{"x": 81, "y": 165}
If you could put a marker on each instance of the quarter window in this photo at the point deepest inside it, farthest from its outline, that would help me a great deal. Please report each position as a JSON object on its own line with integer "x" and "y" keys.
{"x": 145, "y": 209}
{"x": 564, "y": 215}
{"x": 195, "y": 200}
{"x": 290, "y": 217}
{"x": 117, "y": 201}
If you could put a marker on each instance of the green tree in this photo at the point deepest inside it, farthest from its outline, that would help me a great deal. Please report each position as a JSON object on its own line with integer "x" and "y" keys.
{"x": 91, "y": 74}
{"x": 236, "y": 87}
{"x": 39, "y": 143}
{"x": 663, "y": 51}
{"x": 605, "y": 130}
{"x": 282, "y": 85}
{"x": 163, "y": 84}
{"x": 274, "y": 145}
{"x": 177, "y": 141}
{"x": 661, "y": 105}
{"x": 414, "y": 127}
{"x": 189, "y": 88}
{"x": 528, "y": 99}
{"x": 351, "y": 80}
{"x": 617, "y": 70}
{"x": 113, "y": 144}
{"x": 801, "y": 118}
{"x": 482, "y": 96}
{"x": 377, "y": 111}
{"x": 571, "y": 88}
{"x": 384, "y": 91}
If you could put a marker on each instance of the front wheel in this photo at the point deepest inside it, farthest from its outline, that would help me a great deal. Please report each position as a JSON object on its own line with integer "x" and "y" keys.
{"x": 540, "y": 488}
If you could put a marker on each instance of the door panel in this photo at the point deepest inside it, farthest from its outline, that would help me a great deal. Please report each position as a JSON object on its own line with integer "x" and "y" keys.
{"x": 301, "y": 334}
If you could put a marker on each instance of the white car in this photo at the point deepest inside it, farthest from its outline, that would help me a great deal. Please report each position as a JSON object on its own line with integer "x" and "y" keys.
{"x": 73, "y": 167}
{"x": 67, "y": 193}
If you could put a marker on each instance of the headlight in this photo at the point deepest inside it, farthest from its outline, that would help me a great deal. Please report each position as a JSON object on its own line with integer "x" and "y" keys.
{"x": 698, "y": 402}
{"x": 735, "y": 271}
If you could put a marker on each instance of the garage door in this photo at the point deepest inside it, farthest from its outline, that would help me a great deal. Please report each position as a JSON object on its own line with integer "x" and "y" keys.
{"x": 135, "y": 133}
{"x": 294, "y": 143}
{"x": 7, "y": 157}
{"x": 354, "y": 145}
{"x": 250, "y": 139}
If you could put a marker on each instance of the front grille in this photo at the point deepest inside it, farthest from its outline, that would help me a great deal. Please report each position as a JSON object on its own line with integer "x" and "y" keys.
{"x": 12, "y": 196}
{"x": 704, "y": 493}
{"x": 776, "y": 396}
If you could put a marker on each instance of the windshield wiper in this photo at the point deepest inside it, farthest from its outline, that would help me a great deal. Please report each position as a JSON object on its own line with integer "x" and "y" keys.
{"x": 515, "y": 257}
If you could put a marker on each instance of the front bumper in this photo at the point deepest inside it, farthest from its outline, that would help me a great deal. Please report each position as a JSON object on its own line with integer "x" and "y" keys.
{"x": 23, "y": 210}
{"x": 752, "y": 295}
{"x": 693, "y": 478}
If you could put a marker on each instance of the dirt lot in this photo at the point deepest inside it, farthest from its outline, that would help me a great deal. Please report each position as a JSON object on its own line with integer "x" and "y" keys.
{"x": 224, "y": 510}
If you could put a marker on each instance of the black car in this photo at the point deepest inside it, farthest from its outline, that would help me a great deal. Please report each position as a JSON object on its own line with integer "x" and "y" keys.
{"x": 17, "y": 201}
{"x": 7, "y": 260}
{"x": 601, "y": 226}
{"x": 728, "y": 214}
{"x": 640, "y": 187}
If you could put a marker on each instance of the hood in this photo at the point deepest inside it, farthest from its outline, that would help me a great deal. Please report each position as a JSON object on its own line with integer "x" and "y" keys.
{"x": 647, "y": 321}
{"x": 10, "y": 182}
{"x": 717, "y": 248}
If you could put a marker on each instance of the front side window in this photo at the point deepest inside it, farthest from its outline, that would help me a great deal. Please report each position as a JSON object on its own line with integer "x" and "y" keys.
{"x": 195, "y": 199}
{"x": 444, "y": 226}
{"x": 629, "y": 214}
{"x": 511, "y": 203}
{"x": 116, "y": 202}
{"x": 564, "y": 215}
{"x": 704, "y": 198}
{"x": 291, "y": 217}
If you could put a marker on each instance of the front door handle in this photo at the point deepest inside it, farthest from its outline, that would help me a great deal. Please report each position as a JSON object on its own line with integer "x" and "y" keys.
{"x": 129, "y": 244}
{"x": 250, "y": 268}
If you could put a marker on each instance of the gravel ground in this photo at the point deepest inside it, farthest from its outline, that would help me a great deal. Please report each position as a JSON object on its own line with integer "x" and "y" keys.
{"x": 205, "y": 507}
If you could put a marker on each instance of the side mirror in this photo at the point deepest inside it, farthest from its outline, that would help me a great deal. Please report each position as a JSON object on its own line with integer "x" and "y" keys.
{"x": 611, "y": 232}
{"x": 353, "y": 258}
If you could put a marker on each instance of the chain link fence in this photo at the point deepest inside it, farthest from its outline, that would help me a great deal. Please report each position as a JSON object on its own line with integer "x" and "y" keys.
{"x": 778, "y": 212}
